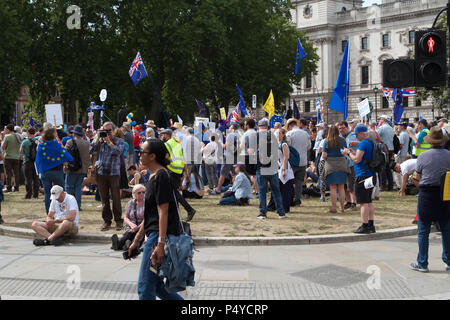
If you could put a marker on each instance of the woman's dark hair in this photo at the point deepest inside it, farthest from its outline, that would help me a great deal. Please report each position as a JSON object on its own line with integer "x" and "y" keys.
{"x": 193, "y": 170}
{"x": 213, "y": 138}
{"x": 242, "y": 169}
{"x": 158, "y": 148}
{"x": 49, "y": 134}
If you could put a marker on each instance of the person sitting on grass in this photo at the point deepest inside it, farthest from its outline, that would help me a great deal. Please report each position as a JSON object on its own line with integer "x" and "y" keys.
{"x": 241, "y": 191}
{"x": 192, "y": 186}
{"x": 134, "y": 216}
{"x": 62, "y": 219}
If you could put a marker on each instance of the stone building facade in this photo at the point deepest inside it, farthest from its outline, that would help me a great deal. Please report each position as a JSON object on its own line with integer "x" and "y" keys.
{"x": 378, "y": 32}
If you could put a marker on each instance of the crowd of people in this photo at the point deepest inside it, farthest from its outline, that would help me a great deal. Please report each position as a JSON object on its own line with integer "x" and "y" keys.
{"x": 351, "y": 162}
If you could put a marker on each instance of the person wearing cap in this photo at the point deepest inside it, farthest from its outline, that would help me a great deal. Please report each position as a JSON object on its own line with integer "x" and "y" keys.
{"x": 68, "y": 137}
{"x": 128, "y": 137}
{"x": 363, "y": 153}
{"x": 386, "y": 134}
{"x": 299, "y": 139}
{"x": 60, "y": 131}
{"x": 176, "y": 168}
{"x": 419, "y": 144}
{"x": 352, "y": 124}
{"x": 62, "y": 219}
{"x": 430, "y": 167}
{"x": 32, "y": 183}
{"x": 74, "y": 177}
{"x": 352, "y": 142}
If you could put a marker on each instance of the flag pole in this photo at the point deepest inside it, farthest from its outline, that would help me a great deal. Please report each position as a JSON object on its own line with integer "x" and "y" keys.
{"x": 159, "y": 100}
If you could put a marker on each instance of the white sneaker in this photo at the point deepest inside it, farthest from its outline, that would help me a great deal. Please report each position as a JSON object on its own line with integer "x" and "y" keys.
{"x": 262, "y": 216}
{"x": 282, "y": 216}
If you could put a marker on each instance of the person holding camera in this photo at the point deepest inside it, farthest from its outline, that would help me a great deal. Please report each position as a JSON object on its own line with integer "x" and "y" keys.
{"x": 161, "y": 218}
{"x": 134, "y": 216}
{"x": 110, "y": 150}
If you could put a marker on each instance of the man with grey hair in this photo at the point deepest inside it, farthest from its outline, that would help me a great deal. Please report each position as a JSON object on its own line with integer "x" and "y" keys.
{"x": 192, "y": 149}
{"x": 441, "y": 124}
{"x": 110, "y": 150}
{"x": 386, "y": 134}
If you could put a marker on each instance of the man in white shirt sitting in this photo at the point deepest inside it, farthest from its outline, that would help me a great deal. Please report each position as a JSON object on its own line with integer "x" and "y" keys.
{"x": 62, "y": 219}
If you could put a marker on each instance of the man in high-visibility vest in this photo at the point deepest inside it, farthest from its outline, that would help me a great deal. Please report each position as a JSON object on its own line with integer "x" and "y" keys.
{"x": 419, "y": 144}
{"x": 176, "y": 168}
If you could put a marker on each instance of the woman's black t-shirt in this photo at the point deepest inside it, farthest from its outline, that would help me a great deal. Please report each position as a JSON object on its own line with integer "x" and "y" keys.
{"x": 160, "y": 191}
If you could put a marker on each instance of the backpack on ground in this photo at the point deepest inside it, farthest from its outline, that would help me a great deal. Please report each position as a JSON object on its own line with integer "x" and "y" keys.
{"x": 379, "y": 157}
{"x": 396, "y": 143}
{"x": 76, "y": 164}
{"x": 294, "y": 156}
{"x": 33, "y": 151}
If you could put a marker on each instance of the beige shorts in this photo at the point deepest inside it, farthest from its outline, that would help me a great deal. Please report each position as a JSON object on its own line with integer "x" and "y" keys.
{"x": 70, "y": 232}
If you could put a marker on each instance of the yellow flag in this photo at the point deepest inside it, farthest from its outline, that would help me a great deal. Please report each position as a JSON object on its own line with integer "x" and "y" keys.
{"x": 269, "y": 106}
{"x": 223, "y": 115}
{"x": 446, "y": 195}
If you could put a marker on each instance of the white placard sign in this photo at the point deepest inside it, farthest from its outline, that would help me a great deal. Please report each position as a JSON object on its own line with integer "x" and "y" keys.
{"x": 204, "y": 120}
{"x": 53, "y": 114}
{"x": 212, "y": 126}
{"x": 364, "y": 108}
{"x": 103, "y": 95}
{"x": 254, "y": 101}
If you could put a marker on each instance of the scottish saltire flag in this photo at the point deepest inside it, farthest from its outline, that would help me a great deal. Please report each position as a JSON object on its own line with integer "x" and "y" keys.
{"x": 275, "y": 119}
{"x": 96, "y": 107}
{"x": 397, "y": 96}
{"x": 318, "y": 110}
{"x": 300, "y": 55}
{"x": 339, "y": 99}
{"x": 137, "y": 70}
{"x": 409, "y": 93}
{"x": 51, "y": 154}
{"x": 387, "y": 92}
{"x": 201, "y": 107}
{"x": 295, "y": 112}
{"x": 241, "y": 101}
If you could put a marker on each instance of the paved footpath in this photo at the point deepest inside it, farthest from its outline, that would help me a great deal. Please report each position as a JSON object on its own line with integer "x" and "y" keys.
{"x": 358, "y": 270}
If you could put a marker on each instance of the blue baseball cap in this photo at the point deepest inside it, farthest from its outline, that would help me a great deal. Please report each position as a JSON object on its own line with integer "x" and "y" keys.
{"x": 360, "y": 128}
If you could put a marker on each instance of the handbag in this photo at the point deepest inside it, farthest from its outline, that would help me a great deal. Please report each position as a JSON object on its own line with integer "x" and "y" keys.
{"x": 92, "y": 172}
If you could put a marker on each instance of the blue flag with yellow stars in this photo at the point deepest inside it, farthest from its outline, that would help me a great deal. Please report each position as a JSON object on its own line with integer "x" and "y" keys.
{"x": 300, "y": 55}
{"x": 51, "y": 154}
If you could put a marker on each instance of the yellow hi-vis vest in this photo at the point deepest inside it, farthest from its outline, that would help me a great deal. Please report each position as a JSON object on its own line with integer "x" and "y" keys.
{"x": 176, "y": 156}
{"x": 423, "y": 146}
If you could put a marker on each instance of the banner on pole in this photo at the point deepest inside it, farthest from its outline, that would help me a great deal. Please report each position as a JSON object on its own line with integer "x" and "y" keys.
{"x": 53, "y": 113}
{"x": 364, "y": 108}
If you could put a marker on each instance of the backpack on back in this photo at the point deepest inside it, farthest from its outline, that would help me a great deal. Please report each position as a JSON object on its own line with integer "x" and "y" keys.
{"x": 379, "y": 157}
{"x": 396, "y": 143}
{"x": 76, "y": 164}
{"x": 294, "y": 156}
{"x": 33, "y": 151}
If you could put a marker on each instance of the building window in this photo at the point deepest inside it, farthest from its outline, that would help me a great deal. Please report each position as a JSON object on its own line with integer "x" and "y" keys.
{"x": 308, "y": 83}
{"x": 364, "y": 43}
{"x": 405, "y": 102}
{"x": 418, "y": 102}
{"x": 344, "y": 44}
{"x": 365, "y": 75}
{"x": 307, "y": 106}
{"x": 385, "y": 40}
{"x": 385, "y": 103}
{"x": 411, "y": 35}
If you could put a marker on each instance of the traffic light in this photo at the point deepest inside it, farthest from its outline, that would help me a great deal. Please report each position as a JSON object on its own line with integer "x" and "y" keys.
{"x": 398, "y": 73}
{"x": 430, "y": 58}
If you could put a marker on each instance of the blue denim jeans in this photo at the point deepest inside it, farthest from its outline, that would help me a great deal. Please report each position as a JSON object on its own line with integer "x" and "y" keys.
{"x": 50, "y": 178}
{"x": 73, "y": 185}
{"x": 151, "y": 285}
{"x": 431, "y": 208}
{"x": 275, "y": 190}
{"x": 228, "y": 201}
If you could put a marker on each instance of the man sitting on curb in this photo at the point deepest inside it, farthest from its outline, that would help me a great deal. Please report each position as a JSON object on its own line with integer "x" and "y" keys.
{"x": 64, "y": 212}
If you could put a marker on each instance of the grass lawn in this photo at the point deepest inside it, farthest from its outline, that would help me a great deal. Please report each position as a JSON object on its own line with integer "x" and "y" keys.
{"x": 312, "y": 218}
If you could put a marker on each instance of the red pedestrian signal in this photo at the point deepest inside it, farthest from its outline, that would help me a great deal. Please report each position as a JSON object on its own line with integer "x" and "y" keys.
{"x": 430, "y": 58}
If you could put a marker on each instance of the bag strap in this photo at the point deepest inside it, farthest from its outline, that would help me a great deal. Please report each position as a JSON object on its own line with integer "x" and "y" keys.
{"x": 135, "y": 210}
{"x": 176, "y": 202}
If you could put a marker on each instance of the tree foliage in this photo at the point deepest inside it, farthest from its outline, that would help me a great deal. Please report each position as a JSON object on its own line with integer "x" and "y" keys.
{"x": 192, "y": 49}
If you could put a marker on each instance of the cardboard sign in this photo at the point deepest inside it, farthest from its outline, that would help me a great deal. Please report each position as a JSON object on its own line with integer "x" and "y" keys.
{"x": 223, "y": 115}
{"x": 53, "y": 113}
{"x": 364, "y": 108}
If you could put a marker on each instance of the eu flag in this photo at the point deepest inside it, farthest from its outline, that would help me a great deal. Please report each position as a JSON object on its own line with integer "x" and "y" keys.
{"x": 51, "y": 154}
{"x": 295, "y": 112}
{"x": 137, "y": 70}
{"x": 397, "y": 95}
{"x": 201, "y": 107}
{"x": 300, "y": 55}
{"x": 339, "y": 99}
{"x": 241, "y": 101}
{"x": 276, "y": 118}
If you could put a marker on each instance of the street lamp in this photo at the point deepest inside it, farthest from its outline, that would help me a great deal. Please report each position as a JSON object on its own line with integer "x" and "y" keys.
{"x": 375, "y": 90}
